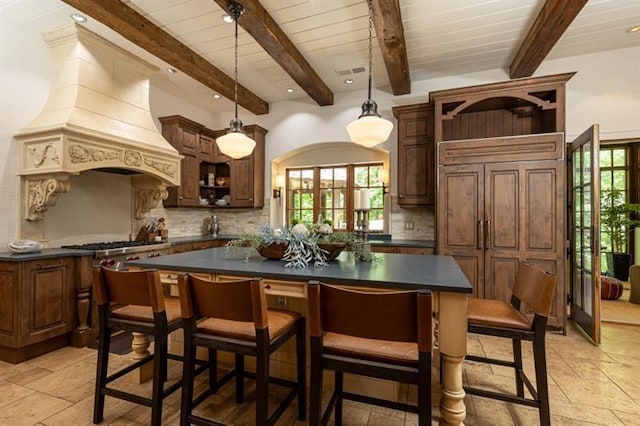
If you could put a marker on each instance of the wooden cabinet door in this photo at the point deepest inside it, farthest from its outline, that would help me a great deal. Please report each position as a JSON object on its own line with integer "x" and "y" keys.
{"x": 48, "y": 299}
{"x": 460, "y": 220}
{"x": 241, "y": 190}
{"x": 206, "y": 148}
{"x": 190, "y": 140}
{"x": 189, "y": 175}
{"x": 523, "y": 216}
{"x": 416, "y": 162}
{"x": 503, "y": 220}
{"x": 9, "y": 304}
{"x": 543, "y": 232}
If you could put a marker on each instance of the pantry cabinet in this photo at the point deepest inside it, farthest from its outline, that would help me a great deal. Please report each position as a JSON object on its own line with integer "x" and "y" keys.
{"x": 502, "y": 183}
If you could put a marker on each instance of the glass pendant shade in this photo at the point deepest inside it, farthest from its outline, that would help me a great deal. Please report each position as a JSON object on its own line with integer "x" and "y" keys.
{"x": 369, "y": 130}
{"x": 235, "y": 144}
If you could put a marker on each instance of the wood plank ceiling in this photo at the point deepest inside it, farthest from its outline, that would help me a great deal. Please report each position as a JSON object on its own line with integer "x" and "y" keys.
{"x": 315, "y": 45}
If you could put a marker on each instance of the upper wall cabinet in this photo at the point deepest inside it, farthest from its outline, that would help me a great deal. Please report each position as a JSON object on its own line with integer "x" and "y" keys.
{"x": 184, "y": 135}
{"x": 209, "y": 175}
{"x": 416, "y": 163}
{"x": 511, "y": 108}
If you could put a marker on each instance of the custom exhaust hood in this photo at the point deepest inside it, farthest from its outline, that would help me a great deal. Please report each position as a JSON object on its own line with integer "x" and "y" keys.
{"x": 96, "y": 117}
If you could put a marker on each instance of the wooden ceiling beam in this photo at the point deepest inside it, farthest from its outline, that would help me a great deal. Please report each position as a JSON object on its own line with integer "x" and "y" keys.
{"x": 260, "y": 25}
{"x": 552, "y": 21}
{"x": 387, "y": 21}
{"x": 136, "y": 28}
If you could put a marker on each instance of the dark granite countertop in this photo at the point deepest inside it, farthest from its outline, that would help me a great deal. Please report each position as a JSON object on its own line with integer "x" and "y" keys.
{"x": 438, "y": 273}
{"x": 44, "y": 254}
{"x": 373, "y": 240}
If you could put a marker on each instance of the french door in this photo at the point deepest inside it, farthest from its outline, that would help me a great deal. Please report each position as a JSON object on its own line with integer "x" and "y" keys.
{"x": 584, "y": 212}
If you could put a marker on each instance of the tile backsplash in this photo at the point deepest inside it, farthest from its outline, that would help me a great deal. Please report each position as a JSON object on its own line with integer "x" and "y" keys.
{"x": 186, "y": 221}
{"x": 194, "y": 221}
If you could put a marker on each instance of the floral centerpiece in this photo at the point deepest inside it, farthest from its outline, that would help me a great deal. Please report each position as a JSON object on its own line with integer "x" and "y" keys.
{"x": 302, "y": 244}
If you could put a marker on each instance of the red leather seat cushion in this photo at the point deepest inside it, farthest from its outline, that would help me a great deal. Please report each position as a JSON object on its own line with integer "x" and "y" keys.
{"x": 610, "y": 288}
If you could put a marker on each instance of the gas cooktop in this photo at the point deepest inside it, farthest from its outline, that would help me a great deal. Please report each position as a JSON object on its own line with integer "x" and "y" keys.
{"x": 119, "y": 247}
{"x": 111, "y": 245}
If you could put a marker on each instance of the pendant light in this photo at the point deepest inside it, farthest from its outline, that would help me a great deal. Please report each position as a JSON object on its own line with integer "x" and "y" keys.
{"x": 235, "y": 144}
{"x": 370, "y": 128}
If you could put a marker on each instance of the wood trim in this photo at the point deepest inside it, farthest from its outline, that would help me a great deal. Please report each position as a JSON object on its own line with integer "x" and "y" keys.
{"x": 552, "y": 21}
{"x": 546, "y": 146}
{"x": 387, "y": 20}
{"x": 537, "y": 83}
{"x": 136, "y": 28}
{"x": 260, "y": 25}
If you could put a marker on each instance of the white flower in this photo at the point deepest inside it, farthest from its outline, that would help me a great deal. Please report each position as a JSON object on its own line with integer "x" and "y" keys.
{"x": 300, "y": 230}
{"x": 325, "y": 228}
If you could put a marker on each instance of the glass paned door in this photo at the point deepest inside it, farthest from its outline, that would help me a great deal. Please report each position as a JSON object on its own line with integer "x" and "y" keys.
{"x": 585, "y": 232}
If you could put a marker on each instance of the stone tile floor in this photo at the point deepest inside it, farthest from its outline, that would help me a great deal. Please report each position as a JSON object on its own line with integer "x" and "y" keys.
{"x": 589, "y": 385}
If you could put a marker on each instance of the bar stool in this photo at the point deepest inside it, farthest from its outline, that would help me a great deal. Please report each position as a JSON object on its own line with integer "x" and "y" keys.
{"x": 383, "y": 335}
{"x": 234, "y": 318}
{"x": 535, "y": 289}
{"x": 146, "y": 311}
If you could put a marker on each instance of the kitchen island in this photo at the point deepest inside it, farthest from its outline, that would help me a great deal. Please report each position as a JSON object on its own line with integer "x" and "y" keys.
{"x": 440, "y": 274}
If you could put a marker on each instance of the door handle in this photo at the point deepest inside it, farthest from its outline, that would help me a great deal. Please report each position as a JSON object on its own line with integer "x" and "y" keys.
{"x": 487, "y": 236}
{"x": 480, "y": 237}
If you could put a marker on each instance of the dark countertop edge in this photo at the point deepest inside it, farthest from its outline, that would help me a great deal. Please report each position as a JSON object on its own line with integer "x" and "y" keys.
{"x": 285, "y": 277}
{"x": 373, "y": 241}
{"x": 44, "y": 254}
{"x": 215, "y": 262}
{"x": 200, "y": 238}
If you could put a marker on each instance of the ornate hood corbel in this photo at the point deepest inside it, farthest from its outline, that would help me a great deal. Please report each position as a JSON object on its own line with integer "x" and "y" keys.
{"x": 41, "y": 192}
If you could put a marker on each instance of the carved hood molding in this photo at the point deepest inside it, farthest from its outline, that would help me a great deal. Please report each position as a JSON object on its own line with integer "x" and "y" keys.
{"x": 96, "y": 117}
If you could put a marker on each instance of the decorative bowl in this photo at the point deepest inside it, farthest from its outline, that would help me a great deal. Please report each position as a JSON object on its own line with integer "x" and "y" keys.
{"x": 273, "y": 250}
{"x": 333, "y": 249}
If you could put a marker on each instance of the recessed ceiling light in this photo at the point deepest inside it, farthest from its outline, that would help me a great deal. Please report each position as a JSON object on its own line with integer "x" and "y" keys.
{"x": 290, "y": 90}
{"x": 171, "y": 70}
{"x": 228, "y": 19}
{"x": 349, "y": 81}
{"x": 78, "y": 18}
{"x": 635, "y": 29}
{"x": 216, "y": 96}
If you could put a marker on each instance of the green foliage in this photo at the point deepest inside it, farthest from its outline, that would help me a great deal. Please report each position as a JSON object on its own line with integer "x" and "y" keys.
{"x": 302, "y": 247}
{"x": 615, "y": 217}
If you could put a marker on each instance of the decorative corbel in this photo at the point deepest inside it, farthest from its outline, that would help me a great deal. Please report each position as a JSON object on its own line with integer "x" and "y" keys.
{"x": 146, "y": 196}
{"x": 42, "y": 193}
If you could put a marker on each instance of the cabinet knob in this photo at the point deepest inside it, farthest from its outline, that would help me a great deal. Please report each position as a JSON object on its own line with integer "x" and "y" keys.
{"x": 400, "y": 195}
{"x": 250, "y": 199}
{"x": 181, "y": 198}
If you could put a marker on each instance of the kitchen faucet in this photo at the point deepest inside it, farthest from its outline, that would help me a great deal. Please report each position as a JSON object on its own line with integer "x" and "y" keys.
{"x": 214, "y": 228}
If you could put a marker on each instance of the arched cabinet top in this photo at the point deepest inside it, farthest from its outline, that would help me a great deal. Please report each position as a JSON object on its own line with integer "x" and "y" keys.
{"x": 510, "y": 108}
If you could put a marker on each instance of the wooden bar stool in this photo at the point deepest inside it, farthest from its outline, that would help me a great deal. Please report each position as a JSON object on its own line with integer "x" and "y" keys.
{"x": 146, "y": 311}
{"x": 233, "y": 317}
{"x": 383, "y": 335}
{"x": 535, "y": 289}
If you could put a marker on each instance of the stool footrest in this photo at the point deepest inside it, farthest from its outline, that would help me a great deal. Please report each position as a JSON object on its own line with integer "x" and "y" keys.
{"x": 501, "y": 396}
{"x": 379, "y": 402}
{"x": 491, "y": 360}
{"x": 128, "y": 369}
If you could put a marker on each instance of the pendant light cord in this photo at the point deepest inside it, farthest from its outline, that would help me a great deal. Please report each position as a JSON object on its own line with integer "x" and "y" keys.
{"x": 370, "y": 43}
{"x": 235, "y": 99}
